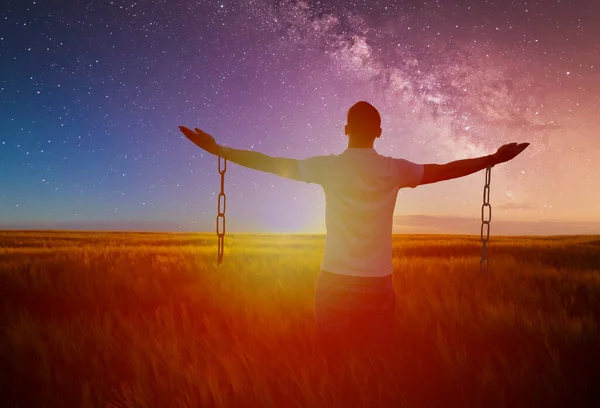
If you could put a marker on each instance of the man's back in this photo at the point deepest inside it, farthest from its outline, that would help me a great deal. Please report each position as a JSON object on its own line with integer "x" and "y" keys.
{"x": 360, "y": 187}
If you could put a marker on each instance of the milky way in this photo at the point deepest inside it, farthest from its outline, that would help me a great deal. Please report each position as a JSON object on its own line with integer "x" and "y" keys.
{"x": 91, "y": 96}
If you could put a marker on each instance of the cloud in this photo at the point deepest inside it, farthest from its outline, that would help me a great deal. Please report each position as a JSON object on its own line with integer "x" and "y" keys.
{"x": 422, "y": 224}
{"x": 517, "y": 206}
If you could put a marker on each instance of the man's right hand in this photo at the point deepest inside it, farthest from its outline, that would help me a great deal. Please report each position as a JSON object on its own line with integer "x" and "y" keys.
{"x": 202, "y": 140}
{"x": 508, "y": 152}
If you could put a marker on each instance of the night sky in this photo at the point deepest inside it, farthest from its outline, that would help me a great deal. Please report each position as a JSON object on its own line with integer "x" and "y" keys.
{"x": 92, "y": 94}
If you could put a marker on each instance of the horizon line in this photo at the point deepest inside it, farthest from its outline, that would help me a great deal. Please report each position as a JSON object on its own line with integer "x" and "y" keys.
{"x": 238, "y": 233}
{"x": 412, "y": 224}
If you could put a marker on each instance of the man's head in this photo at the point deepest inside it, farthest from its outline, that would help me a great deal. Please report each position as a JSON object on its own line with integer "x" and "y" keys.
{"x": 364, "y": 122}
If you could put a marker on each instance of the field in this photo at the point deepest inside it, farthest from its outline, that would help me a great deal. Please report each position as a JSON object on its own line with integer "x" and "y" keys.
{"x": 150, "y": 320}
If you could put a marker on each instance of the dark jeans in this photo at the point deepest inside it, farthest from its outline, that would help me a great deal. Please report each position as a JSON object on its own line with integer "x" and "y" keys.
{"x": 355, "y": 313}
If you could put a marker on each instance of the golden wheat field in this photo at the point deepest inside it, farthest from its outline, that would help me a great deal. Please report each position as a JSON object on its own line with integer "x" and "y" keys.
{"x": 150, "y": 320}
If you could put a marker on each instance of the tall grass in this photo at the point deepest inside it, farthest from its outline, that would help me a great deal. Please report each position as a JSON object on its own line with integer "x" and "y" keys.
{"x": 149, "y": 320}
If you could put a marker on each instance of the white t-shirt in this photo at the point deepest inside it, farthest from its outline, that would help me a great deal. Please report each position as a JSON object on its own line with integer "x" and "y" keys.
{"x": 360, "y": 187}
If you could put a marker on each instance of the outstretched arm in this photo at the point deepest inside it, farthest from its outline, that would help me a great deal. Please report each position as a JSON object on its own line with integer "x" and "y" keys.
{"x": 434, "y": 173}
{"x": 280, "y": 166}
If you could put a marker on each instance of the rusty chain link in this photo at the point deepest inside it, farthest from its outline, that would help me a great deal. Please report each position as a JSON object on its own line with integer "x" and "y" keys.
{"x": 485, "y": 223}
{"x": 222, "y": 206}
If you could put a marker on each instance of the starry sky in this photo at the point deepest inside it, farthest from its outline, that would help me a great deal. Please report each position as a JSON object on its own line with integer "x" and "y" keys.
{"x": 92, "y": 93}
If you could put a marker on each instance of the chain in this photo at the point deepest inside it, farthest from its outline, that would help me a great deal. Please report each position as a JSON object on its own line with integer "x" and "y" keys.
{"x": 222, "y": 205}
{"x": 485, "y": 223}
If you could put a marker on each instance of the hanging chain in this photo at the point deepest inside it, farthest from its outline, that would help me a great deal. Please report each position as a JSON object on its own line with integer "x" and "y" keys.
{"x": 222, "y": 205}
{"x": 485, "y": 222}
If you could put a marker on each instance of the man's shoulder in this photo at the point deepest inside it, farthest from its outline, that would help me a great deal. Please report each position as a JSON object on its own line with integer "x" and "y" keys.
{"x": 320, "y": 158}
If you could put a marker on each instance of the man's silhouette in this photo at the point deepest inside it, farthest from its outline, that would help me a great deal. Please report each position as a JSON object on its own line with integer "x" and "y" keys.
{"x": 354, "y": 295}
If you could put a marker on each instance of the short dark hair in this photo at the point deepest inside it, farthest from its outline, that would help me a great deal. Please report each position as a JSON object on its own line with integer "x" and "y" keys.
{"x": 364, "y": 117}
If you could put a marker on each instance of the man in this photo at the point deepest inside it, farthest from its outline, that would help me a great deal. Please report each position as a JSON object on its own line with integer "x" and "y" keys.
{"x": 354, "y": 295}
